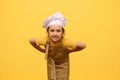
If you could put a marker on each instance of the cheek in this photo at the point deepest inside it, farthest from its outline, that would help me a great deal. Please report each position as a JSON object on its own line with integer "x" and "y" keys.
{"x": 50, "y": 34}
{"x": 60, "y": 35}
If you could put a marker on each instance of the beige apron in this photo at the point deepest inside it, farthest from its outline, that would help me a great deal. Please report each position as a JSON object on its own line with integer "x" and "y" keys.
{"x": 58, "y": 63}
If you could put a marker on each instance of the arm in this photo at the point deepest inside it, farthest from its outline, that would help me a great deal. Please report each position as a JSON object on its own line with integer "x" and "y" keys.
{"x": 79, "y": 46}
{"x": 33, "y": 43}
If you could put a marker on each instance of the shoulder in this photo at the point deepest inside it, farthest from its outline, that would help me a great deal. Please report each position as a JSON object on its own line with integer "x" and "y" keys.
{"x": 69, "y": 43}
{"x": 41, "y": 41}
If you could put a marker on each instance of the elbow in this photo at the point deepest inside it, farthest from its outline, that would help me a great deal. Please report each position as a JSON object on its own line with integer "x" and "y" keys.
{"x": 81, "y": 46}
{"x": 33, "y": 40}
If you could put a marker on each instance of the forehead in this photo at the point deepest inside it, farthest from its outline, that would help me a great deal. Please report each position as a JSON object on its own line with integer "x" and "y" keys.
{"x": 55, "y": 27}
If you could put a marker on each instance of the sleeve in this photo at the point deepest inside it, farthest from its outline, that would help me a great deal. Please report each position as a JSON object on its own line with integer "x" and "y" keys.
{"x": 41, "y": 41}
{"x": 69, "y": 43}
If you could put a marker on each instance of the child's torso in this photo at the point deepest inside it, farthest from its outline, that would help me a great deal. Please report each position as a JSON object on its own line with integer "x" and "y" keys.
{"x": 58, "y": 54}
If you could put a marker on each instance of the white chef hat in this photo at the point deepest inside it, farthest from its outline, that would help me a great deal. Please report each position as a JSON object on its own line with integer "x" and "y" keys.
{"x": 55, "y": 19}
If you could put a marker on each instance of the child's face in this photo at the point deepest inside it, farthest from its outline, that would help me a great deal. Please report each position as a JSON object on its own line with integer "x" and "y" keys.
{"x": 55, "y": 33}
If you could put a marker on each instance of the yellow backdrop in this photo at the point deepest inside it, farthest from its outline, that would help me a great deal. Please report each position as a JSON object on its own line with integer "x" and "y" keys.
{"x": 95, "y": 22}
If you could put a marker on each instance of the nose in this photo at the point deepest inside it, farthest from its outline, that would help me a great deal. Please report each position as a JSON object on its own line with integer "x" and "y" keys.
{"x": 55, "y": 33}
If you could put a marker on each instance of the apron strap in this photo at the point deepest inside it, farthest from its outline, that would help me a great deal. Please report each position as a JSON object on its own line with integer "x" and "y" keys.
{"x": 51, "y": 65}
{"x": 47, "y": 48}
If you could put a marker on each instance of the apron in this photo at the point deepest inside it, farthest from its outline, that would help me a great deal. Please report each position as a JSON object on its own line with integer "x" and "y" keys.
{"x": 58, "y": 63}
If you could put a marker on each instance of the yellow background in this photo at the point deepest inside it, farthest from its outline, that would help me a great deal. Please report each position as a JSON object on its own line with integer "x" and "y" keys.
{"x": 95, "y": 22}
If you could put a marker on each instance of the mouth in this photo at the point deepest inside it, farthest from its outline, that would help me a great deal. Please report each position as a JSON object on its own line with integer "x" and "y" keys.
{"x": 55, "y": 38}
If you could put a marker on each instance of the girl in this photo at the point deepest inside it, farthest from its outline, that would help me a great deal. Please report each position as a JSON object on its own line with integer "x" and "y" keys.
{"x": 57, "y": 47}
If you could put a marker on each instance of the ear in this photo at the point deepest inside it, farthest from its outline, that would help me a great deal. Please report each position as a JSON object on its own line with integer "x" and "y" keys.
{"x": 48, "y": 35}
{"x": 63, "y": 33}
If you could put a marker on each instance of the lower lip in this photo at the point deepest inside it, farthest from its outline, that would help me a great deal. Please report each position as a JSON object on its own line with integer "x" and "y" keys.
{"x": 55, "y": 38}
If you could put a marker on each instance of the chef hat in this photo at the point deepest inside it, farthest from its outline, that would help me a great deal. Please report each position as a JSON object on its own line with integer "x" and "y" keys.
{"x": 55, "y": 19}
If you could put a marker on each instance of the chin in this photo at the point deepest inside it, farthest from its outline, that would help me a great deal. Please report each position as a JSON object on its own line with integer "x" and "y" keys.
{"x": 55, "y": 41}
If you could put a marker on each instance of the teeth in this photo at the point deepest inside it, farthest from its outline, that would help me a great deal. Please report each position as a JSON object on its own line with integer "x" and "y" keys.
{"x": 55, "y": 37}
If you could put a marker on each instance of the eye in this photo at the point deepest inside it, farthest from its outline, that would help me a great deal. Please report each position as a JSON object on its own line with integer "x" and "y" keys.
{"x": 52, "y": 30}
{"x": 58, "y": 30}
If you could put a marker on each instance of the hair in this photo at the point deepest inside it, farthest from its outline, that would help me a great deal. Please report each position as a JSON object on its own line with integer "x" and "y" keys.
{"x": 63, "y": 30}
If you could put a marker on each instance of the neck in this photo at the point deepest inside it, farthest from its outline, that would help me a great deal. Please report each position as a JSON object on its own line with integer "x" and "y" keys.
{"x": 55, "y": 42}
